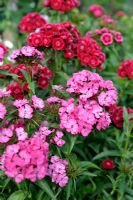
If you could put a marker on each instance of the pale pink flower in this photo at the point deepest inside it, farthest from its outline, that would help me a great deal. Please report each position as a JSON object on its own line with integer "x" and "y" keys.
{"x": 3, "y": 111}
{"x": 21, "y": 134}
{"x": 57, "y": 171}
{"x": 38, "y": 103}
{"x": 25, "y": 111}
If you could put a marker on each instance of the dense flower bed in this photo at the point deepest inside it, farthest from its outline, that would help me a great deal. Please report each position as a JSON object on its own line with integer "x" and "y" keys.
{"x": 66, "y": 112}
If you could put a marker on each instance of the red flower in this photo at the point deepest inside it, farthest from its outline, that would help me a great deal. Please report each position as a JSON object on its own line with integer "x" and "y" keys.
{"x": 89, "y": 53}
{"x": 62, "y": 5}
{"x": 25, "y": 87}
{"x": 5, "y": 67}
{"x": 69, "y": 54}
{"x": 17, "y": 70}
{"x": 56, "y": 5}
{"x": 46, "y": 42}
{"x": 16, "y": 90}
{"x": 93, "y": 61}
{"x": 4, "y": 48}
{"x": 43, "y": 83}
{"x": 108, "y": 164}
{"x": 126, "y": 69}
{"x": 31, "y": 21}
{"x": 45, "y": 72}
{"x": 35, "y": 39}
{"x": 58, "y": 44}
{"x": 116, "y": 114}
{"x": 85, "y": 60}
{"x": 62, "y": 36}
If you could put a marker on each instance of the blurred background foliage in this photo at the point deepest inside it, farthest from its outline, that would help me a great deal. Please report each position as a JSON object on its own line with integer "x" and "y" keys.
{"x": 12, "y": 11}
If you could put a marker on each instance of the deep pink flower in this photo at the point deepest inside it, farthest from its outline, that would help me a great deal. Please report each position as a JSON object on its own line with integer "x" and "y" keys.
{"x": 106, "y": 38}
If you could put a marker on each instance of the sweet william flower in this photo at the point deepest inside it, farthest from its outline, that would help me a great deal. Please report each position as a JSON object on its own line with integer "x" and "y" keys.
{"x": 3, "y": 111}
{"x": 62, "y": 5}
{"x": 108, "y": 164}
{"x": 58, "y": 44}
{"x": 27, "y": 159}
{"x": 42, "y": 83}
{"x": 25, "y": 111}
{"x": 126, "y": 69}
{"x": 38, "y": 103}
{"x": 96, "y": 10}
{"x": 31, "y": 21}
{"x": 57, "y": 171}
{"x": 21, "y": 134}
{"x": 5, "y": 134}
{"x": 106, "y": 38}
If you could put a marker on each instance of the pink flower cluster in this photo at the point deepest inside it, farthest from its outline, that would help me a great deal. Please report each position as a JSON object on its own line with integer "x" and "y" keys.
{"x": 26, "y": 51}
{"x": 61, "y": 37}
{"x": 108, "y": 36}
{"x": 95, "y": 96}
{"x": 6, "y": 134}
{"x": 55, "y": 135}
{"x": 57, "y": 171}
{"x": 90, "y": 53}
{"x": 62, "y": 5}
{"x": 96, "y": 10}
{"x": 126, "y": 69}
{"x": 107, "y": 19}
{"x": 31, "y": 21}
{"x": 25, "y": 110}
{"x": 26, "y": 160}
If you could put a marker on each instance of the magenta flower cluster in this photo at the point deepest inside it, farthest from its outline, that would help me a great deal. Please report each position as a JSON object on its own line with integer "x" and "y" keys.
{"x": 95, "y": 95}
{"x": 6, "y": 134}
{"x": 26, "y": 160}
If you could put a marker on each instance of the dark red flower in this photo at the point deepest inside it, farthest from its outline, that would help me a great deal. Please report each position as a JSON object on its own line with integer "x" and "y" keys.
{"x": 5, "y": 67}
{"x": 43, "y": 83}
{"x": 45, "y": 72}
{"x": 25, "y": 87}
{"x": 16, "y": 90}
{"x": 108, "y": 164}
{"x": 116, "y": 114}
{"x": 126, "y": 69}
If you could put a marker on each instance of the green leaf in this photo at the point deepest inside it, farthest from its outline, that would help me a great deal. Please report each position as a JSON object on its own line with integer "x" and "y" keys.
{"x": 87, "y": 164}
{"x": 18, "y": 195}
{"x": 107, "y": 153}
{"x": 14, "y": 76}
{"x": 69, "y": 189}
{"x": 44, "y": 186}
{"x": 88, "y": 174}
